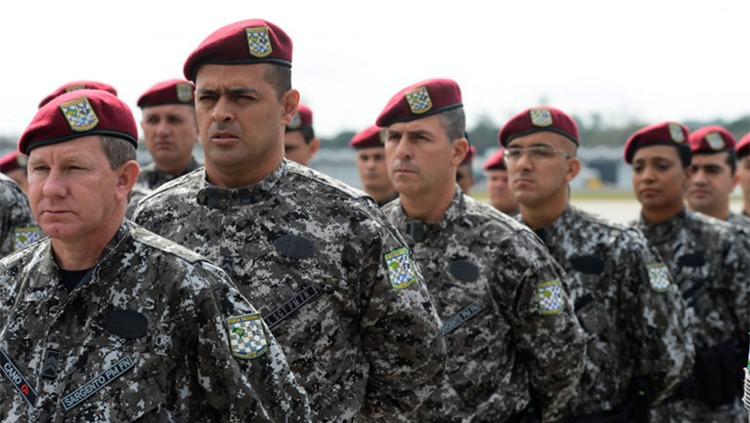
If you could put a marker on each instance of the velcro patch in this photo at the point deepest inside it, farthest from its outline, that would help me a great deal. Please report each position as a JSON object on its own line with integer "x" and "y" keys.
{"x": 97, "y": 383}
{"x": 247, "y": 339}
{"x": 658, "y": 276}
{"x": 17, "y": 379}
{"x": 551, "y": 299}
{"x": 401, "y": 271}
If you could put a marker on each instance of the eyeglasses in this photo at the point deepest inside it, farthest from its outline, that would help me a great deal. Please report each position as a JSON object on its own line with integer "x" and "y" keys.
{"x": 536, "y": 152}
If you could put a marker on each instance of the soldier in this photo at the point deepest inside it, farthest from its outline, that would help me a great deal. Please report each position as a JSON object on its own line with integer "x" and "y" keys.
{"x": 13, "y": 165}
{"x": 713, "y": 174}
{"x": 498, "y": 187}
{"x": 742, "y": 149}
{"x": 623, "y": 295}
{"x": 508, "y": 325}
{"x": 170, "y": 131}
{"x": 373, "y": 172}
{"x": 17, "y": 225}
{"x": 77, "y": 85}
{"x": 135, "y": 327}
{"x": 335, "y": 278}
{"x": 709, "y": 264}
{"x": 300, "y": 143}
{"x": 465, "y": 171}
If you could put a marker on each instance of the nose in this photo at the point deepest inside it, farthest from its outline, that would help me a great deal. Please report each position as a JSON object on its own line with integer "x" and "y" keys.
{"x": 222, "y": 111}
{"x": 54, "y": 185}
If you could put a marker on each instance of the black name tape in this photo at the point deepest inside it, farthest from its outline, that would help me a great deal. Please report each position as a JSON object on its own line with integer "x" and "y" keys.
{"x": 17, "y": 379}
{"x": 461, "y": 317}
{"x": 98, "y": 382}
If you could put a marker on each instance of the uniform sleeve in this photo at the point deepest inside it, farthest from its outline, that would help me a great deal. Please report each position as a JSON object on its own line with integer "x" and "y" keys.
{"x": 401, "y": 336}
{"x": 661, "y": 342}
{"x": 548, "y": 335}
{"x": 740, "y": 258}
{"x": 15, "y": 213}
{"x": 247, "y": 377}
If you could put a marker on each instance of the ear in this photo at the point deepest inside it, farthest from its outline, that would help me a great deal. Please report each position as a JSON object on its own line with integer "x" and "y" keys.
{"x": 735, "y": 180}
{"x": 574, "y": 167}
{"x": 289, "y": 103}
{"x": 126, "y": 179}
{"x": 313, "y": 147}
{"x": 460, "y": 148}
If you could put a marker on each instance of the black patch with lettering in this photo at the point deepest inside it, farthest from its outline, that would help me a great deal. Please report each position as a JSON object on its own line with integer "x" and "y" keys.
{"x": 97, "y": 383}
{"x": 18, "y": 380}
{"x": 587, "y": 264}
{"x": 583, "y": 301}
{"x": 692, "y": 290}
{"x": 452, "y": 323}
{"x": 128, "y": 324}
{"x": 51, "y": 363}
{"x": 307, "y": 294}
{"x": 294, "y": 246}
{"x": 696, "y": 259}
{"x": 464, "y": 270}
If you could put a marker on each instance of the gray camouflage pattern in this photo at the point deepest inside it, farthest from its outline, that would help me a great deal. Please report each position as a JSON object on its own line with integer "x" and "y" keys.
{"x": 478, "y": 258}
{"x": 136, "y": 195}
{"x": 17, "y": 225}
{"x": 629, "y": 308}
{"x": 182, "y": 368}
{"x": 152, "y": 178}
{"x": 362, "y": 348}
{"x": 709, "y": 263}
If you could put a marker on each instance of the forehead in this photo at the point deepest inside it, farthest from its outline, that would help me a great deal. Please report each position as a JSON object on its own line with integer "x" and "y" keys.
{"x": 542, "y": 137}
{"x": 719, "y": 158}
{"x": 429, "y": 124}
{"x": 372, "y": 151}
{"x": 230, "y": 76}
{"x": 653, "y": 152}
{"x": 168, "y": 109}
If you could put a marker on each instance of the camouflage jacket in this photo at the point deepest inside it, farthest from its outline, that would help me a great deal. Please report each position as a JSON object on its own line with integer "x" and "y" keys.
{"x": 136, "y": 195}
{"x": 740, "y": 219}
{"x": 17, "y": 225}
{"x": 332, "y": 277}
{"x": 152, "y": 332}
{"x": 629, "y": 308}
{"x": 152, "y": 178}
{"x": 507, "y": 321}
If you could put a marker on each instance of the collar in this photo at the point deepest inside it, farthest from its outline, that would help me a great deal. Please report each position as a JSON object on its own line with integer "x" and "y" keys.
{"x": 214, "y": 197}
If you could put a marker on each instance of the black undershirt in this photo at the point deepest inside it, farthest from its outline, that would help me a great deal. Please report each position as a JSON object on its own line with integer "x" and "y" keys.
{"x": 71, "y": 278}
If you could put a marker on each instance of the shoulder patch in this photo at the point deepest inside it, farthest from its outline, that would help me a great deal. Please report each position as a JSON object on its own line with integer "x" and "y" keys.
{"x": 401, "y": 271}
{"x": 26, "y": 236}
{"x": 247, "y": 339}
{"x": 658, "y": 276}
{"x": 551, "y": 300}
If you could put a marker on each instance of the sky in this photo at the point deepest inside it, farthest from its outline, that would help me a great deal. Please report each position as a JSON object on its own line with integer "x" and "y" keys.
{"x": 639, "y": 60}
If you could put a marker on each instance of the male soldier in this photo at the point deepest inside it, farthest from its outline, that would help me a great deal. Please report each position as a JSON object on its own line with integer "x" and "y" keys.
{"x": 508, "y": 325}
{"x": 498, "y": 187}
{"x": 77, "y": 85}
{"x": 465, "y": 171}
{"x": 335, "y": 278}
{"x": 623, "y": 296}
{"x": 300, "y": 143}
{"x": 13, "y": 165}
{"x": 170, "y": 131}
{"x": 713, "y": 174}
{"x": 708, "y": 263}
{"x": 17, "y": 226}
{"x": 373, "y": 172}
{"x": 134, "y": 326}
{"x": 743, "y": 171}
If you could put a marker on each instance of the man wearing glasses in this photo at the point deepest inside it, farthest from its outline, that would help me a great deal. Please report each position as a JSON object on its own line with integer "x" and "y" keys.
{"x": 637, "y": 347}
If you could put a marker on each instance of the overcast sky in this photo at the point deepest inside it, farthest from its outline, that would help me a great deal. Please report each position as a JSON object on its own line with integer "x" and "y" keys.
{"x": 650, "y": 60}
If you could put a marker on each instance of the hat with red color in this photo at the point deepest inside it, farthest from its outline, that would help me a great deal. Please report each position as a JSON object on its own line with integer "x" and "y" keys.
{"x": 743, "y": 146}
{"x": 78, "y": 85}
{"x": 303, "y": 118}
{"x": 78, "y": 114}
{"x": 419, "y": 100}
{"x": 244, "y": 42}
{"x": 367, "y": 138}
{"x": 495, "y": 162}
{"x": 173, "y": 91}
{"x": 664, "y": 133}
{"x": 12, "y": 161}
{"x": 537, "y": 119}
{"x": 470, "y": 153}
{"x": 711, "y": 139}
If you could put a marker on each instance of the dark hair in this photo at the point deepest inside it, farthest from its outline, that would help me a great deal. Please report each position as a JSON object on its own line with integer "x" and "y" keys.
{"x": 118, "y": 151}
{"x": 454, "y": 123}
{"x": 280, "y": 78}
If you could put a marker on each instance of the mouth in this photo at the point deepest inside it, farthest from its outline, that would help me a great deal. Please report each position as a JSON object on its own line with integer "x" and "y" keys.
{"x": 224, "y": 137}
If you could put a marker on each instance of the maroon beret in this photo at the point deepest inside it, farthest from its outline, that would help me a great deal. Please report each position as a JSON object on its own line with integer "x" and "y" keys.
{"x": 301, "y": 119}
{"x": 711, "y": 139}
{"x": 419, "y": 100}
{"x": 78, "y": 114}
{"x": 743, "y": 146}
{"x": 537, "y": 119}
{"x": 469, "y": 155}
{"x": 12, "y": 161}
{"x": 496, "y": 162}
{"x": 78, "y": 85}
{"x": 367, "y": 138}
{"x": 244, "y": 42}
{"x": 664, "y": 133}
{"x": 173, "y": 91}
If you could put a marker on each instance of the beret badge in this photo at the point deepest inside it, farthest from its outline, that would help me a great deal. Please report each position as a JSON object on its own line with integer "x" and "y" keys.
{"x": 675, "y": 132}
{"x": 184, "y": 92}
{"x": 540, "y": 117}
{"x": 79, "y": 114}
{"x": 296, "y": 122}
{"x": 715, "y": 140}
{"x": 258, "y": 41}
{"x": 419, "y": 100}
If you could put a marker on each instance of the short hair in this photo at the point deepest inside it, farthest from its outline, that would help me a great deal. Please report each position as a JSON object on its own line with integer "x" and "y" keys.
{"x": 280, "y": 78}
{"x": 454, "y": 123}
{"x": 118, "y": 150}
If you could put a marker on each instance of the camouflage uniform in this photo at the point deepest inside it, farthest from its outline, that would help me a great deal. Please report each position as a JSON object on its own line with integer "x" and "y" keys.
{"x": 630, "y": 311}
{"x": 709, "y": 264}
{"x": 136, "y": 195}
{"x": 145, "y": 335}
{"x": 740, "y": 219}
{"x": 489, "y": 278}
{"x": 152, "y": 178}
{"x": 332, "y": 275}
{"x": 17, "y": 225}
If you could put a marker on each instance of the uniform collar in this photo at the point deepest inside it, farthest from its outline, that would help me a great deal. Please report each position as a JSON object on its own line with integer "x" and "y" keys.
{"x": 214, "y": 197}
{"x": 665, "y": 231}
{"x": 551, "y": 233}
{"x": 419, "y": 230}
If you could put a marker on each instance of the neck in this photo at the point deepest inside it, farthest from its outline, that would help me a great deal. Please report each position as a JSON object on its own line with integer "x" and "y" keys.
{"x": 82, "y": 253}
{"x": 380, "y": 194}
{"x": 248, "y": 174}
{"x": 174, "y": 169}
{"x": 658, "y": 215}
{"x": 720, "y": 211}
{"x": 539, "y": 217}
{"x": 428, "y": 207}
